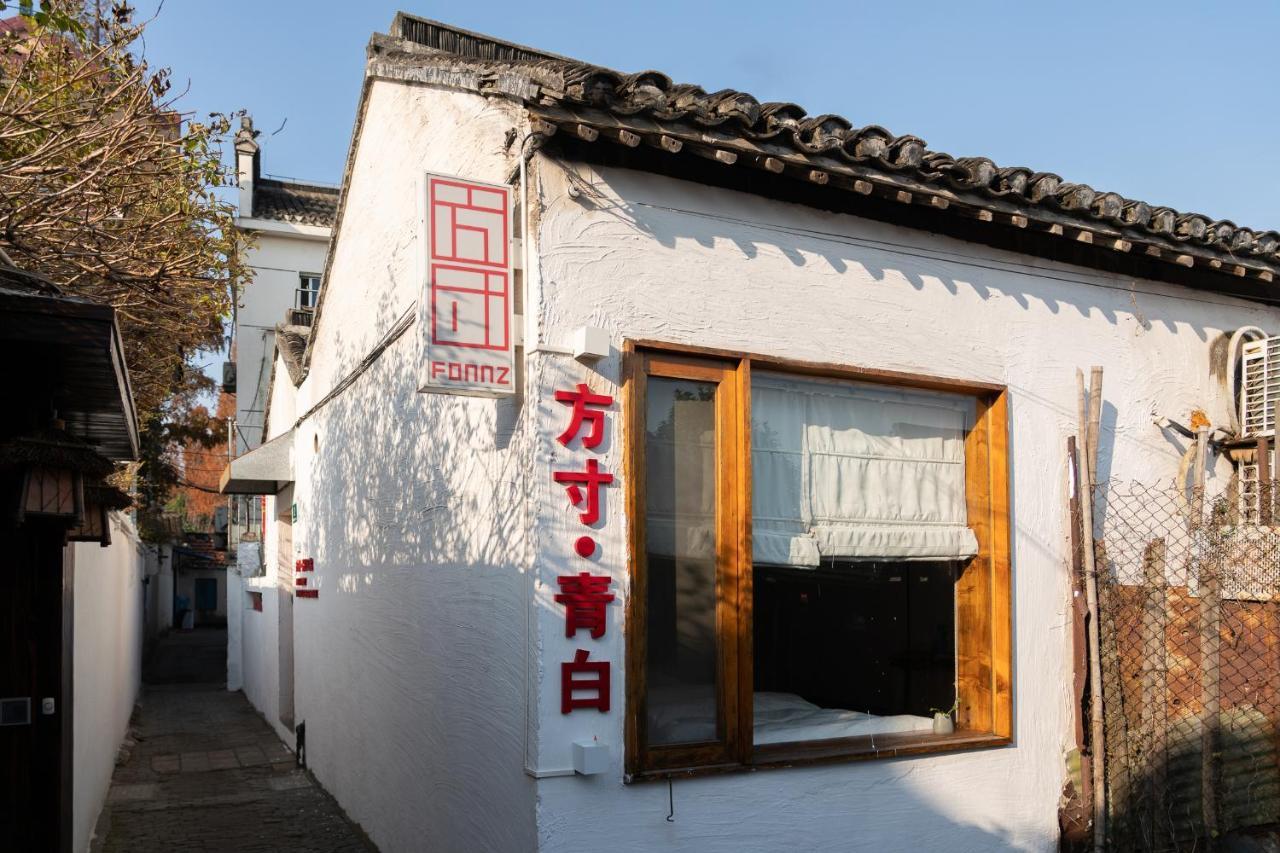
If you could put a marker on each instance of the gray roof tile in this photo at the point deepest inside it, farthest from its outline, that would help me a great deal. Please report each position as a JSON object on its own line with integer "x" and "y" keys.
{"x": 306, "y": 204}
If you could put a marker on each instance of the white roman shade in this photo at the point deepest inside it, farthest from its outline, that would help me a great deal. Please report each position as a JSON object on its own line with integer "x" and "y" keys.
{"x": 857, "y": 471}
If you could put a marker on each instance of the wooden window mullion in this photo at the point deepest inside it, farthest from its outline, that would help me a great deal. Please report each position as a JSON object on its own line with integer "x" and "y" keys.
{"x": 744, "y": 569}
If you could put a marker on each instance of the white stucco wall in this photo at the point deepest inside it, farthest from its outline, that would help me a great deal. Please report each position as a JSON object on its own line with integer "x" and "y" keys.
{"x": 107, "y": 664}
{"x": 259, "y": 652}
{"x": 437, "y": 533}
{"x": 260, "y": 663}
{"x": 410, "y": 673}
{"x": 654, "y": 258}
{"x": 235, "y": 628}
{"x": 158, "y": 598}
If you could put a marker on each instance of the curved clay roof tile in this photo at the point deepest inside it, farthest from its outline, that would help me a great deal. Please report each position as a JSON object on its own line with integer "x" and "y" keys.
{"x": 782, "y": 114}
{"x": 820, "y": 133}
{"x": 1220, "y": 232}
{"x": 1076, "y": 196}
{"x": 1012, "y": 179}
{"x": 1108, "y": 206}
{"x": 1162, "y": 220}
{"x": 644, "y": 91}
{"x": 869, "y": 141}
{"x": 907, "y": 151}
{"x": 656, "y": 79}
{"x": 685, "y": 96}
{"x": 1191, "y": 226}
{"x": 1267, "y": 243}
{"x": 1044, "y": 186}
{"x": 594, "y": 86}
{"x": 727, "y": 104}
{"x": 1242, "y": 240}
{"x": 974, "y": 172}
{"x": 935, "y": 164}
{"x": 1136, "y": 213}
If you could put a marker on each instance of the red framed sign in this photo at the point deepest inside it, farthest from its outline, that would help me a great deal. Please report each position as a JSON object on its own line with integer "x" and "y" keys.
{"x": 467, "y": 307}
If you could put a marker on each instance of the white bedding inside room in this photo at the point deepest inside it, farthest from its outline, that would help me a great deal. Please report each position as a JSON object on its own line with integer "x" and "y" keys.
{"x": 786, "y": 718}
{"x": 687, "y": 715}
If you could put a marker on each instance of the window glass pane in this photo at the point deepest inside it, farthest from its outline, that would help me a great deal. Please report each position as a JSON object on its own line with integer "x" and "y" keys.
{"x": 859, "y": 531}
{"x": 857, "y": 471}
{"x": 680, "y": 524}
{"x": 851, "y": 649}
{"x": 308, "y": 291}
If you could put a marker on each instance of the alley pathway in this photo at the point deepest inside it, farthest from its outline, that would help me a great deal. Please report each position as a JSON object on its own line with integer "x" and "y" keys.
{"x": 208, "y": 774}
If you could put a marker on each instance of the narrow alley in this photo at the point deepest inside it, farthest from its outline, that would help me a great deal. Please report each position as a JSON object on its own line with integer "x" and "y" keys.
{"x": 208, "y": 774}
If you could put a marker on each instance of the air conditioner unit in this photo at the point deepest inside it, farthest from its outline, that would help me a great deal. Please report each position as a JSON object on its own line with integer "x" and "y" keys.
{"x": 1259, "y": 387}
{"x": 1258, "y": 395}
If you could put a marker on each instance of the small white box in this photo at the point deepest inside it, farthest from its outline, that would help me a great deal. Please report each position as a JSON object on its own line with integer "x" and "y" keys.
{"x": 589, "y": 343}
{"x": 590, "y": 758}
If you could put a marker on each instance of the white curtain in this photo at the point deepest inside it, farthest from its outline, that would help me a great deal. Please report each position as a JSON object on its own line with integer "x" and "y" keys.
{"x": 857, "y": 471}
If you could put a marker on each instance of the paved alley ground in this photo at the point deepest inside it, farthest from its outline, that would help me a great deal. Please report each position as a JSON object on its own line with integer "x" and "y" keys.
{"x": 208, "y": 774}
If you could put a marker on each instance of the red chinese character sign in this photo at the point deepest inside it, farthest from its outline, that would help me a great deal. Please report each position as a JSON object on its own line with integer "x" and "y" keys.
{"x": 584, "y": 597}
{"x": 466, "y": 309}
{"x": 580, "y": 677}
{"x": 587, "y": 408}
{"x": 584, "y": 683}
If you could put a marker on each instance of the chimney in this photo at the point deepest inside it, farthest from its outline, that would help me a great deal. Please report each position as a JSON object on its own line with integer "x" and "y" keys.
{"x": 246, "y": 163}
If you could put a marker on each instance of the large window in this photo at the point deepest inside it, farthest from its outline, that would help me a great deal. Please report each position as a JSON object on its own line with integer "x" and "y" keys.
{"x": 820, "y": 563}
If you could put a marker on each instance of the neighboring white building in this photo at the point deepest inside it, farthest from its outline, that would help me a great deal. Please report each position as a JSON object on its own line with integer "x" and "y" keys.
{"x": 898, "y": 333}
{"x": 289, "y": 222}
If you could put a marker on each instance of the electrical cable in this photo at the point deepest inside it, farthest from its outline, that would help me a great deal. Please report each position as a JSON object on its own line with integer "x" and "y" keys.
{"x": 393, "y": 334}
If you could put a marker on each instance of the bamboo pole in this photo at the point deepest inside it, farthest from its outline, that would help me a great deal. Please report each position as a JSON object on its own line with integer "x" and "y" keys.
{"x": 1097, "y": 748}
{"x": 1095, "y": 421}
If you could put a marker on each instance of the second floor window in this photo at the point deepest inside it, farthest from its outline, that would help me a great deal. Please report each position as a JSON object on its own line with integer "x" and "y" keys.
{"x": 308, "y": 290}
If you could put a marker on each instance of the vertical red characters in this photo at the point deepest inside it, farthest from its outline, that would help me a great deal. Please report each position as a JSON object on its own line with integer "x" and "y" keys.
{"x": 584, "y": 597}
{"x": 584, "y": 683}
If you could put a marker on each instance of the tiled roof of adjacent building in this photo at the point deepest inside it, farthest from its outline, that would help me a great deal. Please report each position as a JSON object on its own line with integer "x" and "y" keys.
{"x": 824, "y": 154}
{"x": 307, "y": 204}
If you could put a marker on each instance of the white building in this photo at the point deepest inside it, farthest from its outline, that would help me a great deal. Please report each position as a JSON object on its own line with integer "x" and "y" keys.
{"x": 289, "y": 222}
{"x": 823, "y": 345}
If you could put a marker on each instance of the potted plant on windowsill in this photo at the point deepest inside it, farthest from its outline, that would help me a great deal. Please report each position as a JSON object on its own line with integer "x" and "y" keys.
{"x": 943, "y": 724}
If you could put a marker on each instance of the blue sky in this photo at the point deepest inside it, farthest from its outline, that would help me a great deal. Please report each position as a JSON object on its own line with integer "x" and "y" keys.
{"x": 1170, "y": 102}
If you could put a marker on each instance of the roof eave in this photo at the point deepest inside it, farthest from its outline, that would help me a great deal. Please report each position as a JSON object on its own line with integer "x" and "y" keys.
{"x": 647, "y": 143}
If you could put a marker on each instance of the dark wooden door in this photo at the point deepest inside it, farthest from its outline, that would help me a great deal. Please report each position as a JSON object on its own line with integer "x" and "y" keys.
{"x": 207, "y": 594}
{"x": 35, "y": 647}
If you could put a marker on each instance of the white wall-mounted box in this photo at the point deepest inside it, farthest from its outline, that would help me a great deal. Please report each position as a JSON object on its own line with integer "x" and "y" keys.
{"x": 590, "y": 758}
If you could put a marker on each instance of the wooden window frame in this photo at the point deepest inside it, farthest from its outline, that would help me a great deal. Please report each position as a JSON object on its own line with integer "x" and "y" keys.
{"x": 984, "y": 615}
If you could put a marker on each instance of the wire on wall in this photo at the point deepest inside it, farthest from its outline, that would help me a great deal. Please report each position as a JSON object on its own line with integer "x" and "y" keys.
{"x": 393, "y": 334}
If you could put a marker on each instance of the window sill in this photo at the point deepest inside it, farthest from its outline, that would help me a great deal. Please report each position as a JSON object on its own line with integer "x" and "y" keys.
{"x": 864, "y": 748}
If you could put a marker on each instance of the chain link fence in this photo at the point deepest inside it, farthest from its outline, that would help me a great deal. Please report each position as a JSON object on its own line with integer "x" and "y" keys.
{"x": 1189, "y": 600}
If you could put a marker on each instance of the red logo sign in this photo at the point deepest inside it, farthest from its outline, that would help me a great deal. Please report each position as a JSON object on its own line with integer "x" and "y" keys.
{"x": 467, "y": 309}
